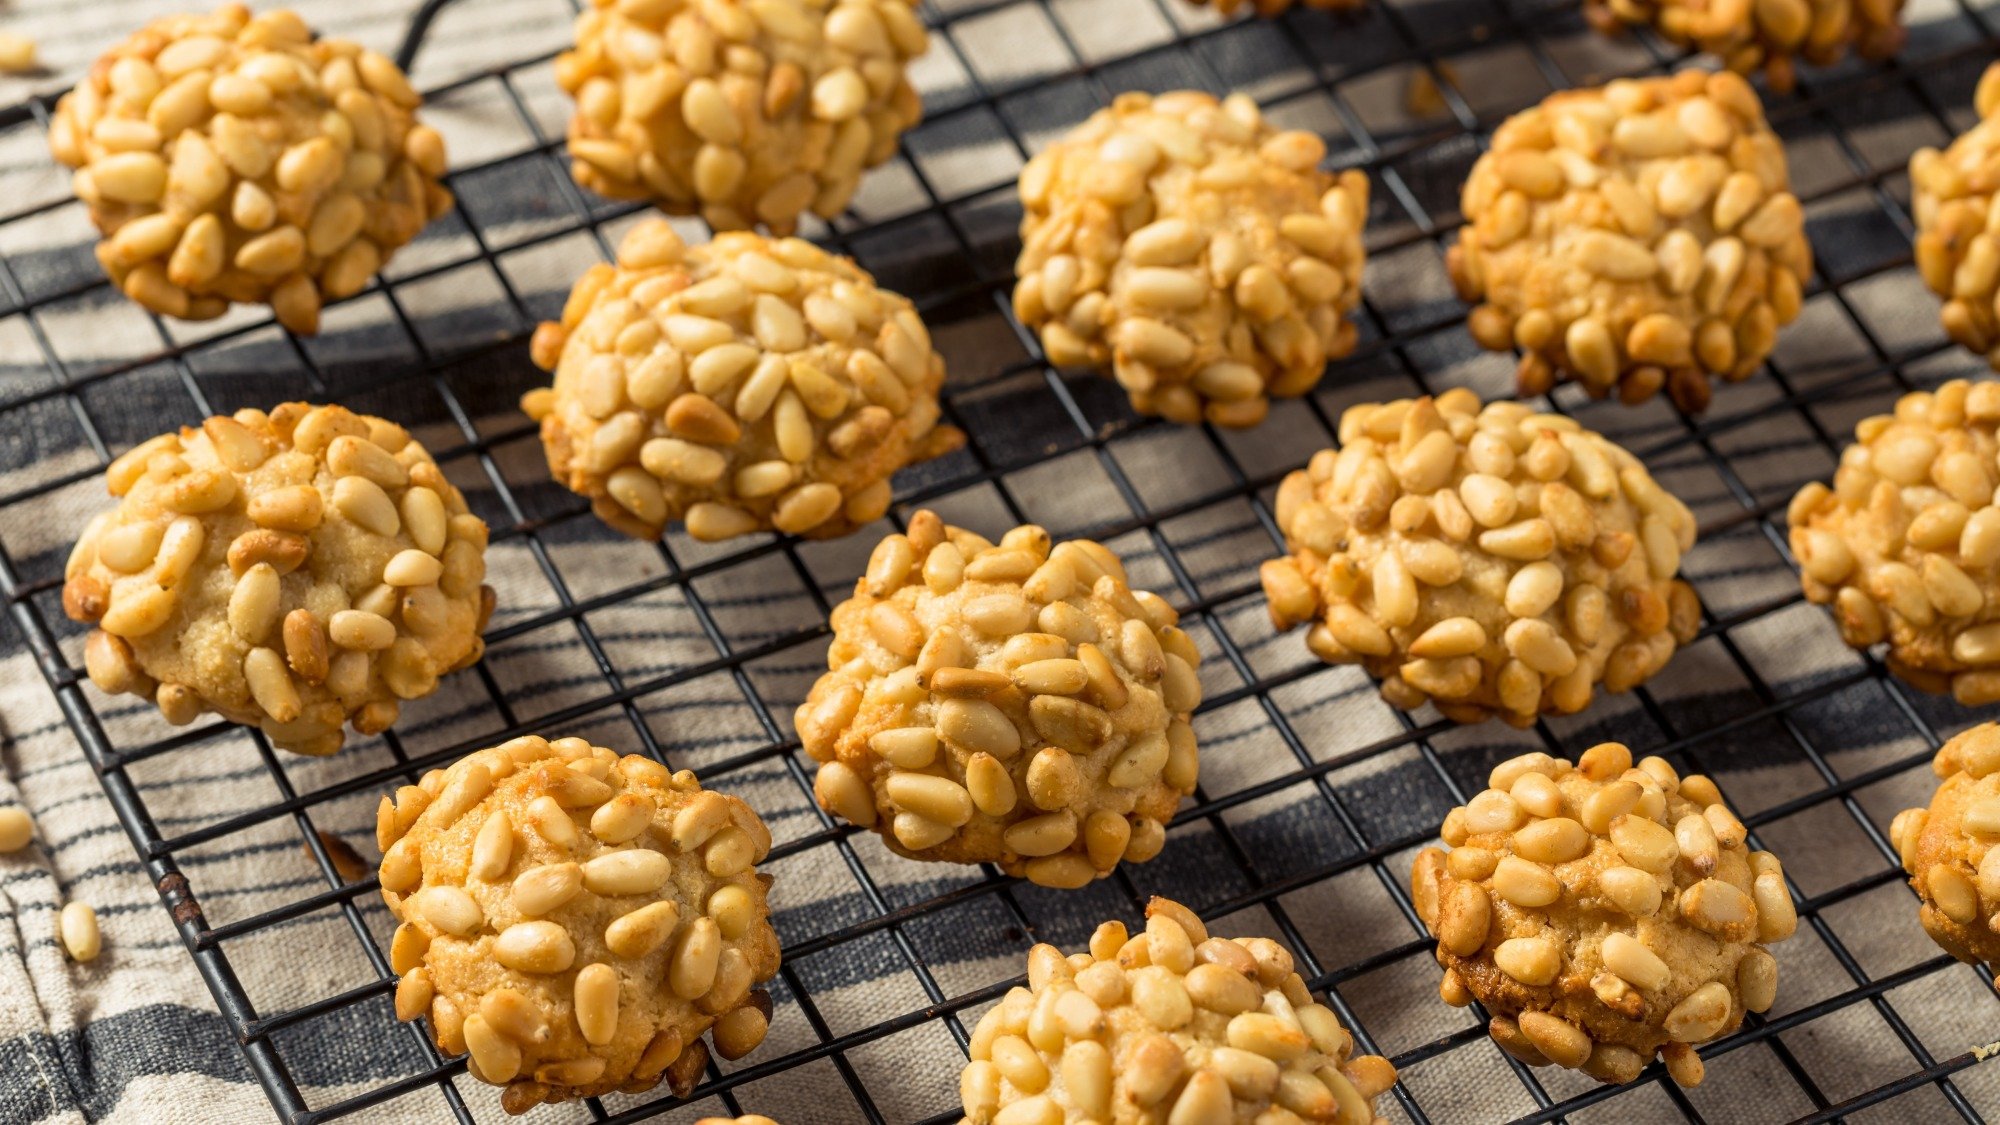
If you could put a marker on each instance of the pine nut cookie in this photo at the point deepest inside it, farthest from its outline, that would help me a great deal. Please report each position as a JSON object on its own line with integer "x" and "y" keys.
{"x": 1493, "y": 561}
{"x": 1635, "y": 236}
{"x": 576, "y": 920}
{"x": 1168, "y": 1024}
{"x": 1013, "y": 703}
{"x": 1958, "y": 251}
{"x": 292, "y": 571}
{"x": 1603, "y": 913}
{"x": 1948, "y": 848}
{"x": 1770, "y": 36}
{"x": 237, "y": 158}
{"x": 1194, "y": 253}
{"x": 740, "y": 112}
{"x": 1906, "y": 544}
{"x": 749, "y": 384}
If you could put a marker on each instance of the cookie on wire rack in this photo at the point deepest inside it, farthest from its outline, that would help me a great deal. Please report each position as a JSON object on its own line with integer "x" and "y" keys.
{"x": 295, "y": 571}
{"x": 1764, "y": 36}
{"x": 743, "y": 113}
{"x": 1603, "y": 912}
{"x": 747, "y": 384}
{"x": 1634, "y": 237}
{"x": 576, "y": 921}
{"x": 1014, "y": 703}
{"x": 1958, "y": 237}
{"x": 232, "y": 158}
{"x": 1494, "y": 561}
{"x": 1906, "y": 544}
{"x": 1167, "y": 1025}
{"x": 1193, "y": 252}
{"x": 1948, "y": 848}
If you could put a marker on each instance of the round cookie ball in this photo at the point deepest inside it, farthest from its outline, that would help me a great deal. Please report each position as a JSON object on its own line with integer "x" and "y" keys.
{"x": 575, "y": 921}
{"x": 1770, "y": 36}
{"x": 1948, "y": 848}
{"x": 746, "y": 1119}
{"x": 237, "y": 158}
{"x": 742, "y": 113}
{"x": 1011, "y": 703}
{"x": 1493, "y": 561}
{"x": 748, "y": 384}
{"x": 1168, "y": 1024}
{"x": 1603, "y": 913}
{"x": 1906, "y": 544}
{"x": 1194, "y": 253}
{"x": 292, "y": 571}
{"x": 1635, "y": 236}
{"x": 1957, "y": 249}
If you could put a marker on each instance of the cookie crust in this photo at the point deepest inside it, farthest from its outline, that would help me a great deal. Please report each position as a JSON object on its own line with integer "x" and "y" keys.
{"x": 748, "y": 384}
{"x": 1167, "y": 1024}
{"x": 1633, "y": 237}
{"x": 1013, "y": 703}
{"x": 1194, "y": 253}
{"x": 294, "y": 571}
{"x": 231, "y": 158}
{"x": 576, "y": 920}
{"x": 1491, "y": 560}
{"x": 1603, "y": 913}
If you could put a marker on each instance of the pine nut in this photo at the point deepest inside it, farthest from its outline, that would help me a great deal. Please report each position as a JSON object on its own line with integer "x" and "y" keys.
{"x": 596, "y": 998}
{"x": 729, "y": 852}
{"x": 450, "y": 909}
{"x": 622, "y": 818}
{"x": 695, "y": 959}
{"x": 493, "y": 847}
{"x": 1532, "y": 961}
{"x": 1702, "y": 1015}
{"x": 497, "y": 1057}
{"x": 1631, "y": 890}
{"x": 634, "y": 871}
{"x": 534, "y": 947}
{"x": 1757, "y": 980}
{"x": 1524, "y": 884}
{"x": 539, "y": 890}
{"x": 1644, "y": 844}
{"x": 17, "y": 829}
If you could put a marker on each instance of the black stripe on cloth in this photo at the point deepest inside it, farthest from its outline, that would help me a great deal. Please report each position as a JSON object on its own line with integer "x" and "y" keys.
{"x": 107, "y": 1054}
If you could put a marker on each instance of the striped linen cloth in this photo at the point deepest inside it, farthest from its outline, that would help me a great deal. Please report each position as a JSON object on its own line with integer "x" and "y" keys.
{"x": 135, "y": 1036}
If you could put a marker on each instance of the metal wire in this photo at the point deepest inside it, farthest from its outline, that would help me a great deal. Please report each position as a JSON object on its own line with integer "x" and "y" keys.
{"x": 1415, "y": 170}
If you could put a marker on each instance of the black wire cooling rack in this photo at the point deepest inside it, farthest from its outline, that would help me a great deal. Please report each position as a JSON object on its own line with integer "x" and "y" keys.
{"x": 1405, "y": 91}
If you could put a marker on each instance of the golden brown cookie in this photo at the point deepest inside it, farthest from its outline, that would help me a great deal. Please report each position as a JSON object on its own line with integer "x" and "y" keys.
{"x": 1167, "y": 1025}
{"x": 1948, "y": 848}
{"x": 1494, "y": 561}
{"x": 1603, "y": 912}
{"x": 292, "y": 571}
{"x": 576, "y": 920}
{"x": 237, "y": 158}
{"x": 1770, "y": 36}
{"x": 1958, "y": 236}
{"x": 1013, "y": 703}
{"x": 1906, "y": 544}
{"x": 1189, "y": 250}
{"x": 748, "y": 384}
{"x": 1637, "y": 235}
{"x": 740, "y": 112}
{"x": 746, "y": 1119}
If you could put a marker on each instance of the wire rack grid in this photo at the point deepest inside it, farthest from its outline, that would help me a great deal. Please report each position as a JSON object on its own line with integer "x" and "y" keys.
{"x": 1405, "y": 91}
